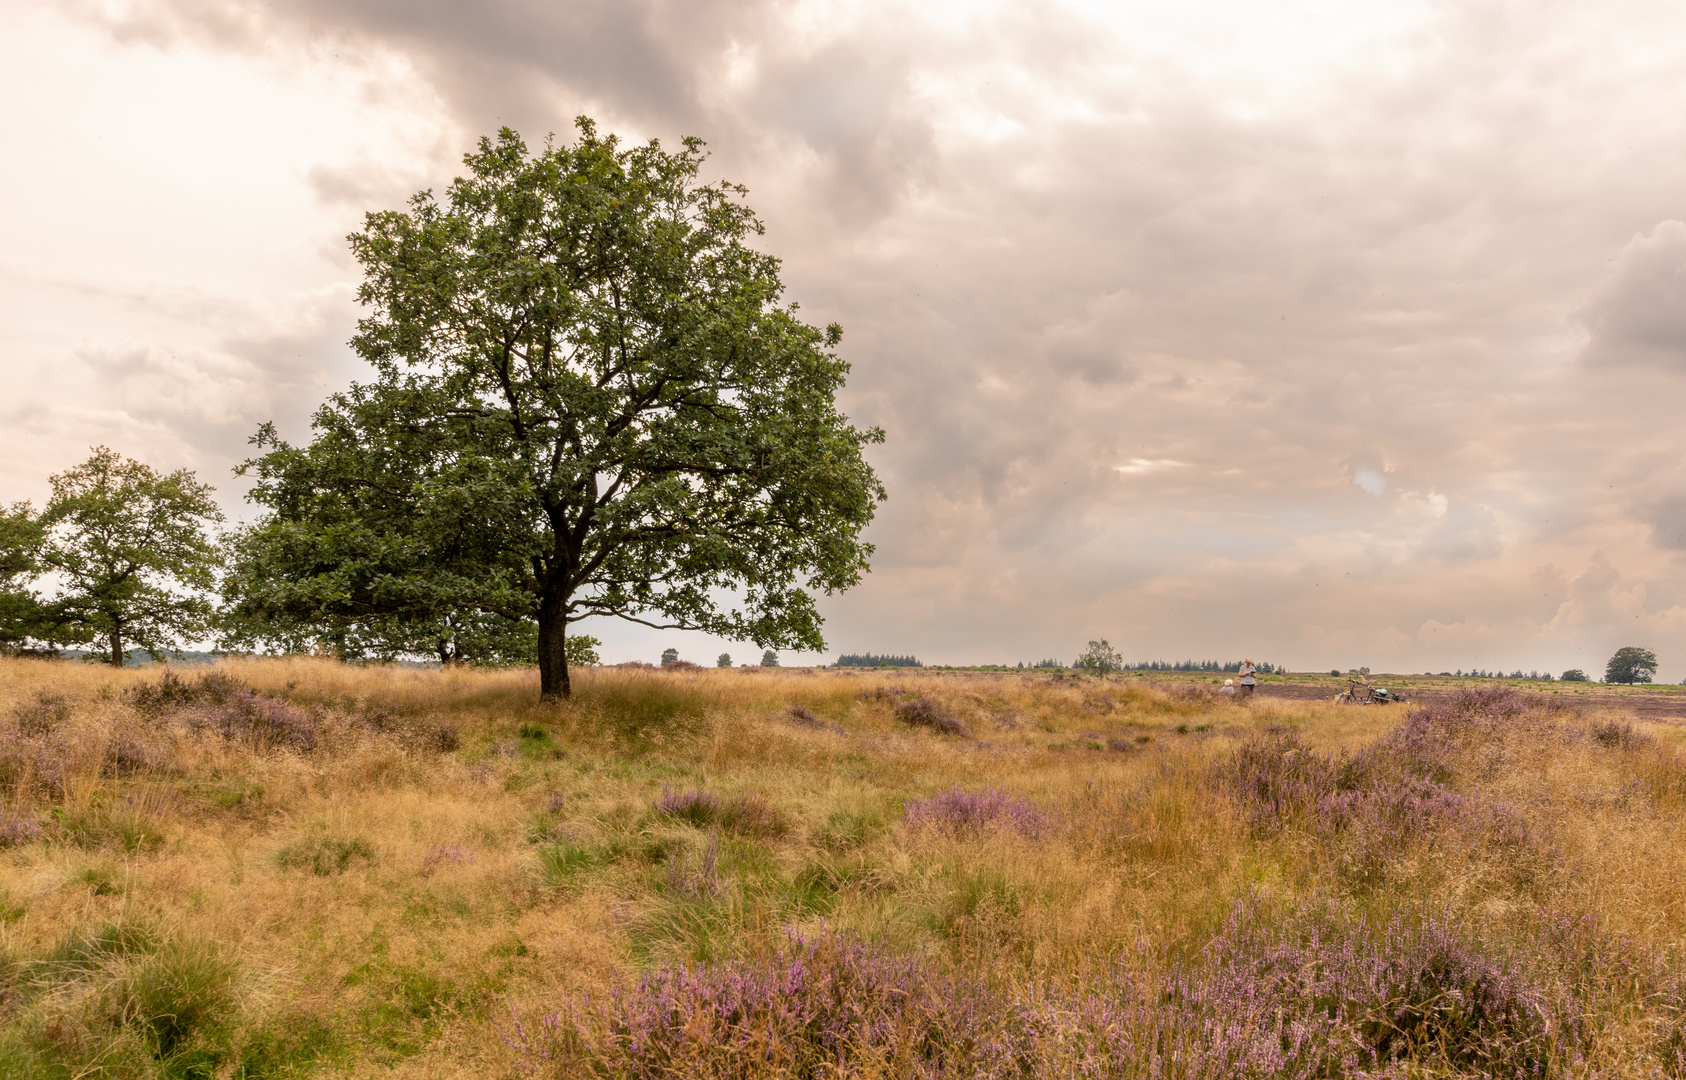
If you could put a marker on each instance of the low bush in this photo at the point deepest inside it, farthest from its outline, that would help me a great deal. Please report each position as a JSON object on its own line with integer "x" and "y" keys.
{"x": 17, "y": 830}
{"x": 823, "y": 1007}
{"x": 748, "y": 813}
{"x": 969, "y": 812}
{"x": 925, "y": 713}
{"x": 41, "y": 715}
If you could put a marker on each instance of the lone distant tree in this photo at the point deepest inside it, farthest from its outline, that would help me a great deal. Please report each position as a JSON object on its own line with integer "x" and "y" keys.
{"x": 1100, "y": 658}
{"x": 1574, "y": 674}
{"x": 670, "y": 657}
{"x": 1631, "y": 664}
{"x": 590, "y": 399}
{"x": 769, "y": 659}
{"x": 135, "y": 553}
{"x": 724, "y": 660}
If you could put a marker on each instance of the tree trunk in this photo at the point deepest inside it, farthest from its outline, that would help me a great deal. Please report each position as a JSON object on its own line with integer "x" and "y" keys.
{"x": 116, "y": 649}
{"x": 553, "y": 649}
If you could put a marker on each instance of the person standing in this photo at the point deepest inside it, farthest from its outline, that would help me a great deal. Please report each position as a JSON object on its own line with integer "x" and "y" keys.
{"x": 1249, "y": 677}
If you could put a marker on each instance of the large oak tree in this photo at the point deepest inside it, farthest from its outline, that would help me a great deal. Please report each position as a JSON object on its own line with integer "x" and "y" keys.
{"x": 590, "y": 399}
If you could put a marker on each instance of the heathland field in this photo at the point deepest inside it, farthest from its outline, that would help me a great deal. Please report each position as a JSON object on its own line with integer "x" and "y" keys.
{"x": 291, "y": 868}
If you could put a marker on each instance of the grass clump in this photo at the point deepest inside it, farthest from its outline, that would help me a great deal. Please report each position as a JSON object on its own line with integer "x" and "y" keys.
{"x": 325, "y": 856}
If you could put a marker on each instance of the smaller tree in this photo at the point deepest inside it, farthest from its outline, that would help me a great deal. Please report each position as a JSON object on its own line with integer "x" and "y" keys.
{"x": 769, "y": 659}
{"x": 724, "y": 660}
{"x": 133, "y": 548}
{"x": 670, "y": 657}
{"x": 1631, "y": 664}
{"x": 23, "y": 618}
{"x": 1574, "y": 674}
{"x": 1100, "y": 657}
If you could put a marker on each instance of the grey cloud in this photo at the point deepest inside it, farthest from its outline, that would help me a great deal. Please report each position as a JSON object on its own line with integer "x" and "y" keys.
{"x": 1668, "y": 522}
{"x": 1641, "y": 316}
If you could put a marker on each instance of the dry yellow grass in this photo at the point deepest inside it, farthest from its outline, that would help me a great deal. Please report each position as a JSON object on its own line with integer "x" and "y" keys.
{"x": 451, "y": 850}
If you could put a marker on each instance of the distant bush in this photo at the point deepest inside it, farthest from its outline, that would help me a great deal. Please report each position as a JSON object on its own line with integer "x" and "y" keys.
{"x": 1574, "y": 674}
{"x": 1099, "y": 657}
{"x": 873, "y": 660}
{"x": 923, "y": 712}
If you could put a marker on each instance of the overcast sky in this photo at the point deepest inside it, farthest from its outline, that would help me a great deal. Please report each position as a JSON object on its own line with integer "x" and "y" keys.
{"x": 1332, "y": 334}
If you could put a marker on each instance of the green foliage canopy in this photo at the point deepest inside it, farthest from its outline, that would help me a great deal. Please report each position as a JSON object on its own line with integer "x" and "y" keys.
{"x": 1099, "y": 657}
{"x": 1631, "y": 664}
{"x": 23, "y": 619}
{"x": 134, "y": 549}
{"x": 589, "y": 400}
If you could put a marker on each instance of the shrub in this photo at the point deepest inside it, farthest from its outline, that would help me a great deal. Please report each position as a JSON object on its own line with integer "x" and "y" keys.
{"x": 696, "y": 806}
{"x": 264, "y": 723}
{"x": 218, "y": 703}
{"x": 802, "y": 715}
{"x": 747, "y": 813}
{"x": 1274, "y": 777}
{"x": 1315, "y": 996}
{"x": 1619, "y": 735}
{"x": 171, "y": 692}
{"x": 17, "y": 830}
{"x": 826, "y": 1007}
{"x": 40, "y": 716}
{"x": 923, "y": 712}
{"x": 969, "y": 812}
{"x": 126, "y": 755}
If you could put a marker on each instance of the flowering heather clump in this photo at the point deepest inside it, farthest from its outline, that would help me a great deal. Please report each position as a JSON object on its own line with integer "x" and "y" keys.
{"x": 1317, "y": 997}
{"x": 747, "y": 814}
{"x": 41, "y": 716}
{"x": 1274, "y": 777}
{"x": 961, "y": 812}
{"x": 923, "y": 712}
{"x": 238, "y": 713}
{"x": 815, "y": 1008}
{"x": 451, "y": 853}
{"x": 172, "y": 692}
{"x": 264, "y": 722}
{"x": 128, "y": 756}
{"x": 695, "y": 806}
{"x": 17, "y": 830}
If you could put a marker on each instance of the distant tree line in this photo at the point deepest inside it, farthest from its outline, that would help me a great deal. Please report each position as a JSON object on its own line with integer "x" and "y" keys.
{"x": 1216, "y": 666}
{"x": 874, "y": 660}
